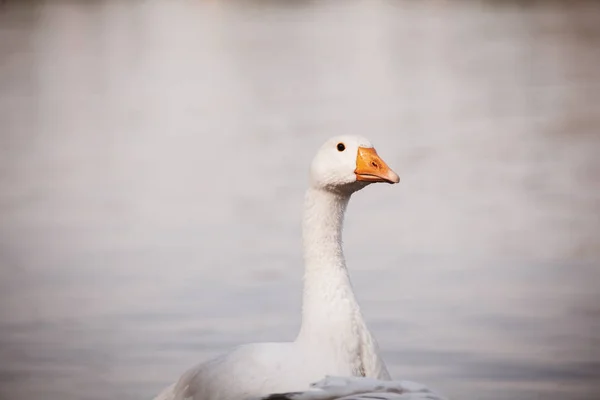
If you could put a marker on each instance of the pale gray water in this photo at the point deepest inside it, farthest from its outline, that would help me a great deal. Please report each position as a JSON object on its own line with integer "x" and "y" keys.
{"x": 153, "y": 159}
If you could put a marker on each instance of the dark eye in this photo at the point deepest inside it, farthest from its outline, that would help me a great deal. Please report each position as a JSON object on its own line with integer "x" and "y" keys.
{"x": 341, "y": 147}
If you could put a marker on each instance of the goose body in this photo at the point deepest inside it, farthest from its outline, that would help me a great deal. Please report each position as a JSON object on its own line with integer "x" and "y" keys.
{"x": 333, "y": 338}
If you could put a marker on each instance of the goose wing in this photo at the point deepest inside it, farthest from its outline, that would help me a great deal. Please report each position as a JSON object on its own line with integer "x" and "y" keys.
{"x": 360, "y": 388}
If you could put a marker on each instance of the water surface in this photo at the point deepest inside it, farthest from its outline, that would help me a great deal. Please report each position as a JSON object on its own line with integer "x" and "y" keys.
{"x": 153, "y": 159}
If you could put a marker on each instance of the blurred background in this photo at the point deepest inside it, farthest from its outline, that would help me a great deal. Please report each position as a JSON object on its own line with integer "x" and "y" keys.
{"x": 154, "y": 157}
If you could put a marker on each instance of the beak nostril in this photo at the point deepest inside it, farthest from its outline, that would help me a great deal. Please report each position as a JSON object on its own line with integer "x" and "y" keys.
{"x": 374, "y": 164}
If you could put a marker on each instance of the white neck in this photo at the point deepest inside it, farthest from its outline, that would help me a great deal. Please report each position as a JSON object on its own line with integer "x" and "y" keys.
{"x": 328, "y": 304}
{"x": 331, "y": 318}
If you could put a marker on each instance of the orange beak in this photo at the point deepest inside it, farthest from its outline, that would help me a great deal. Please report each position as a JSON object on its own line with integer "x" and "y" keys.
{"x": 371, "y": 168}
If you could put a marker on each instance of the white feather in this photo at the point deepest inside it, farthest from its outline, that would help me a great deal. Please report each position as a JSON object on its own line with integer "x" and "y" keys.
{"x": 334, "y": 338}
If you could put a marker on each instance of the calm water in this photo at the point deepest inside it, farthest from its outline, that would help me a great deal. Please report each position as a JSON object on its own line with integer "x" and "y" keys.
{"x": 153, "y": 159}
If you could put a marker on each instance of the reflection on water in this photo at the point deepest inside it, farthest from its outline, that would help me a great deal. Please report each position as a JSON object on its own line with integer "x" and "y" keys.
{"x": 153, "y": 159}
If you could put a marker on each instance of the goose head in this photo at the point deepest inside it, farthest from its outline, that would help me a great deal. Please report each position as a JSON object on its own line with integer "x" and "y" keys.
{"x": 345, "y": 164}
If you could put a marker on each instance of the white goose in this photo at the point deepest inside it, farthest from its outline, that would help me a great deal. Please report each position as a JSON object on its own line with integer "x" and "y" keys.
{"x": 333, "y": 339}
